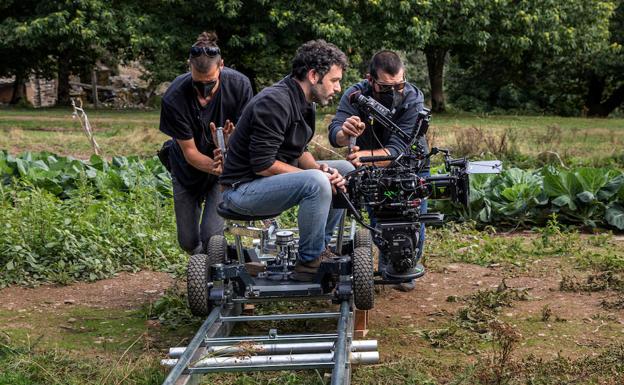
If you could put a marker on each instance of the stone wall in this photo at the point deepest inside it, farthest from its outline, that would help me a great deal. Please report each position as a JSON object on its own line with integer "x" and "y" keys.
{"x": 41, "y": 92}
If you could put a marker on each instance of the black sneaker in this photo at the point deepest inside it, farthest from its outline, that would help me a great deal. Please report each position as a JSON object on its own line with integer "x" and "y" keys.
{"x": 405, "y": 286}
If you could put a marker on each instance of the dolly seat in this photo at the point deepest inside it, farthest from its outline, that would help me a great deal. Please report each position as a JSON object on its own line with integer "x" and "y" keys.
{"x": 234, "y": 216}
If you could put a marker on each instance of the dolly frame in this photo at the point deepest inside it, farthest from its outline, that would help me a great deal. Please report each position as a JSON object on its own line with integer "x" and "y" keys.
{"x": 190, "y": 362}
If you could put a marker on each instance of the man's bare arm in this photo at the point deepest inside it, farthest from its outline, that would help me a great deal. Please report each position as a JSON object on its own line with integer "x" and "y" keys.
{"x": 197, "y": 159}
{"x": 307, "y": 161}
{"x": 278, "y": 167}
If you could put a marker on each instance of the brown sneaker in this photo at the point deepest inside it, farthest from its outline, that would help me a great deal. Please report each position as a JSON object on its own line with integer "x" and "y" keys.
{"x": 305, "y": 271}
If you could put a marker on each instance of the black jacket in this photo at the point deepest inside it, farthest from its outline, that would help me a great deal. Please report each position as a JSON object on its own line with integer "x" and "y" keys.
{"x": 277, "y": 124}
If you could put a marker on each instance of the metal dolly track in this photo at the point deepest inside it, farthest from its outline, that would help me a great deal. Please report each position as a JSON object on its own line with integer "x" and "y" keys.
{"x": 212, "y": 350}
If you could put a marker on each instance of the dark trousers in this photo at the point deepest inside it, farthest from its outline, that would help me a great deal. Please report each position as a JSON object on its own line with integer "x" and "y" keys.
{"x": 196, "y": 216}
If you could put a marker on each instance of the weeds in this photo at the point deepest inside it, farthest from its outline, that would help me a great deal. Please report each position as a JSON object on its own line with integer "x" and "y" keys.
{"x": 46, "y": 239}
{"x": 26, "y": 365}
{"x": 550, "y": 139}
{"x": 473, "y": 141}
{"x": 485, "y": 305}
{"x": 546, "y": 313}
{"x": 617, "y": 304}
{"x": 478, "y": 316}
{"x": 605, "y": 280}
{"x": 171, "y": 310}
{"x": 500, "y": 369}
{"x": 607, "y": 367}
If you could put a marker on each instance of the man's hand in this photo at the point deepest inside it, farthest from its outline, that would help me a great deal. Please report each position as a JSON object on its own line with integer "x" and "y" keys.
{"x": 336, "y": 180}
{"x": 353, "y": 126}
{"x": 354, "y": 157}
{"x": 217, "y": 162}
{"x": 228, "y": 129}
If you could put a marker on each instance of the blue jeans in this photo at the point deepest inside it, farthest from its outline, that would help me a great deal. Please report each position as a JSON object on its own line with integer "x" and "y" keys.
{"x": 310, "y": 189}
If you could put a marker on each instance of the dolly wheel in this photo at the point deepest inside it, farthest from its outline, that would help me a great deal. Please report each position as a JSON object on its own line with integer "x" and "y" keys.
{"x": 363, "y": 279}
{"x": 217, "y": 249}
{"x": 197, "y": 285}
{"x": 198, "y": 275}
{"x": 362, "y": 238}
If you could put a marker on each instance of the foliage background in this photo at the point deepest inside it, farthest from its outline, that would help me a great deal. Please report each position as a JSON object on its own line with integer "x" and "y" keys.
{"x": 557, "y": 56}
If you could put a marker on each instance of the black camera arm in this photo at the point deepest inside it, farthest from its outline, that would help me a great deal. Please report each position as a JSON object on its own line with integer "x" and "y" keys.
{"x": 378, "y": 112}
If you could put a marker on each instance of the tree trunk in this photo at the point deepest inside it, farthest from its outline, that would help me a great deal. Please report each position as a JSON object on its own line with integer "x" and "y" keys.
{"x": 435, "y": 66}
{"x": 594, "y": 104}
{"x": 18, "y": 89}
{"x": 63, "y": 79}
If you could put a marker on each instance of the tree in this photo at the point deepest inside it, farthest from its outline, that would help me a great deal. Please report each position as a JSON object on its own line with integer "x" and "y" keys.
{"x": 61, "y": 37}
{"x": 257, "y": 37}
{"x": 457, "y": 26}
{"x": 535, "y": 55}
{"x": 605, "y": 78}
{"x": 20, "y": 56}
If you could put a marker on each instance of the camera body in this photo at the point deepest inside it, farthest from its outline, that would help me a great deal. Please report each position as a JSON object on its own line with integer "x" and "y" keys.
{"x": 394, "y": 193}
{"x": 394, "y": 197}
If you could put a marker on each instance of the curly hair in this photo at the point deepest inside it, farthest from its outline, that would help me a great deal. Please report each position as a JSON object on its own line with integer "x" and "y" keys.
{"x": 203, "y": 63}
{"x": 318, "y": 55}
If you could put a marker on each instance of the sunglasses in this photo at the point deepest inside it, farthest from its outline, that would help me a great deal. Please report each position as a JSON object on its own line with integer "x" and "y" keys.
{"x": 387, "y": 88}
{"x": 208, "y": 51}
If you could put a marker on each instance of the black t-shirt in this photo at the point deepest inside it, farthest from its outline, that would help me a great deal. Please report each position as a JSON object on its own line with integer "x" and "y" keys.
{"x": 182, "y": 117}
{"x": 277, "y": 124}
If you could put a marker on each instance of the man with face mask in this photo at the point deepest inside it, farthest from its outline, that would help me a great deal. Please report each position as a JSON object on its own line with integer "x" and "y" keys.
{"x": 195, "y": 104}
{"x": 386, "y": 83}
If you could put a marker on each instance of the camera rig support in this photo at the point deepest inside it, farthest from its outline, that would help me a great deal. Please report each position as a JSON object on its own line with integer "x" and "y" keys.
{"x": 393, "y": 195}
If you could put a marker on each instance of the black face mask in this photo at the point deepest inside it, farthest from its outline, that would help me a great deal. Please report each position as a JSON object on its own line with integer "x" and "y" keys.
{"x": 385, "y": 99}
{"x": 204, "y": 88}
{"x": 390, "y": 100}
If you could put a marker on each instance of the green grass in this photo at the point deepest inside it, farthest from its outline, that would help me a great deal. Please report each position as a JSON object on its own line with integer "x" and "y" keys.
{"x": 81, "y": 346}
{"x": 464, "y": 243}
{"x": 115, "y": 346}
{"x": 134, "y": 132}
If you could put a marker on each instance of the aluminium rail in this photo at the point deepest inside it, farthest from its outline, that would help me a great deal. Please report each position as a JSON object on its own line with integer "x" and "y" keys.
{"x": 213, "y": 350}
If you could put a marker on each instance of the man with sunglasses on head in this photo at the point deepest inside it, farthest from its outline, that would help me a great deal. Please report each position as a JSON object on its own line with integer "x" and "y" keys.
{"x": 195, "y": 104}
{"x": 386, "y": 83}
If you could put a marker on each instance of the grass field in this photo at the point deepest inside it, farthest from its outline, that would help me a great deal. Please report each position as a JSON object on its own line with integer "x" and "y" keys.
{"x": 557, "y": 312}
{"x": 575, "y": 140}
{"x": 541, "y": 306}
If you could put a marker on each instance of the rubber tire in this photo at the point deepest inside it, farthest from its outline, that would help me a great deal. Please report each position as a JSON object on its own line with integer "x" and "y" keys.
{"x": 217, "y": 249}
{"x": 198, "y": 275}
{"x": 197, "y": 285}
{"x": 363, "y": 279}
{"x": 362, "y": 238}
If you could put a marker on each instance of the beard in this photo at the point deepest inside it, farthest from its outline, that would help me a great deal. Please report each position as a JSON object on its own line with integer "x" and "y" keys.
{"x": 316, "y": 91}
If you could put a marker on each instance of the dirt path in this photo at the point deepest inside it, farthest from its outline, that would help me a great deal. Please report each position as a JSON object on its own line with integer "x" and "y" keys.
{"x": 460, "y": 280}
{"x": 578, "y": 323}
{"x": 130, "y": 290}
{"x": 125, "y": 291}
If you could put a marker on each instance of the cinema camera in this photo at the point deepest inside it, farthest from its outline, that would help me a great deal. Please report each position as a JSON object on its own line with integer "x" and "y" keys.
{"x": 393, "y": 192}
